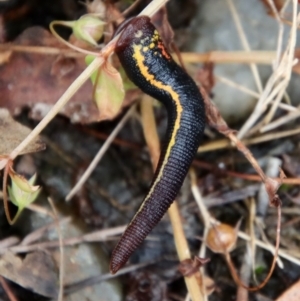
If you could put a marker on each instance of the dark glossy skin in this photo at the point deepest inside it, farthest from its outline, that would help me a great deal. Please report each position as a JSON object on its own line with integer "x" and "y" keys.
{"x": 149, "y": 65}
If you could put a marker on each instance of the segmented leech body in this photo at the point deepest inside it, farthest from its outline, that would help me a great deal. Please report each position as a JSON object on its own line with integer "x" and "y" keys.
{"x": 149, "y": 65}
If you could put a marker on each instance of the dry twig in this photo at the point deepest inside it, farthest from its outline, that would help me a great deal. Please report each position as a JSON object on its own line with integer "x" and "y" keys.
{"x": 61, "y": 251}
{"x": 277, "y": 83}
{"x": 245, "y": 43}
{"x": 7, "y": 289}
{"x": 151, "y": 9}
{"x": 99, "y": 155}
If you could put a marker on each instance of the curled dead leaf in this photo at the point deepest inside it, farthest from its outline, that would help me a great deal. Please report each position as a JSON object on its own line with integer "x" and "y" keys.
{"x": 13, "y": 133}
{"x": 205, "y": 76}
{"x": 36, "y": 272}
{"x": 108, "y": 90}
{"x": 189, "y": 266}
{"x": 272, "y": 185}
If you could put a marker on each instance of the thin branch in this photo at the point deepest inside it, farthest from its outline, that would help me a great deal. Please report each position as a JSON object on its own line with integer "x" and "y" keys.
{"x": 9, "y": 241}
{"x": 43, "y": 50}
{"x": 280, "y": 32}
{"x": 7, "y": 289}
{"x": 251, "y": 93}
{"x": 38, "y": 233}
{"x": 229, "y": 57}
{"x": 58, "y": 106}
{"x": 99, "y": 155}
{"x": 206, "y": 218}
{"x": 280, "y": 121}
{"x": 61, "y": 251}
{"x": 289, "y": 63}
{"x": 101, "y": 235}
{"x": 259, "y": 224}
{"x": 198, "y": 198}
{"x": 245, "y": 43}
{"x": 249, "y": 177}
{"x": 277, "y": 82}
{"x": 74, "y": 287}
{"x": 252, "y": 247}
{"x": 219, "y": 57}
{"x": 151, "y": 9}
{"x": 225, "y": 143}
{"x": 281, "y": 252}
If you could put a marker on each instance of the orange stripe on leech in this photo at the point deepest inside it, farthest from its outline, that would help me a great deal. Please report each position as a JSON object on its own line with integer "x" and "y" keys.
{"x": 164, "y": 52}
{"x": 139, "y": 58}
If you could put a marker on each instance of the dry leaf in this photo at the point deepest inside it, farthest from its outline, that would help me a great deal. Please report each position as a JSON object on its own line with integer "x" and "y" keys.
{"x": 205, "y": 76}
{"x": 213, "y": 115}
{"x": 189, "y": 266}
{"x": 36, "y": 272}
{"x": 5, "y": 56}
{"x": 145, "y": 285}
{"x": 13, "y": 133}
{"x": 37, "y": 80}
{"x": 109, "y": 90}
{"x": 291, "y": 294}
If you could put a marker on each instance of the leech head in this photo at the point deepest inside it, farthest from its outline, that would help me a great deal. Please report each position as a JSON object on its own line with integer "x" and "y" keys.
{"x": 132, "y": 31}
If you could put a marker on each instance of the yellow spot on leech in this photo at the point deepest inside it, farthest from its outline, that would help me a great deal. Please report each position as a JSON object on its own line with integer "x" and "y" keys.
{"x": 152, "y": 45}
{"x": 155, "y": 36}
{"x": 139, "y": 58}
{"x": 145, "y": 49}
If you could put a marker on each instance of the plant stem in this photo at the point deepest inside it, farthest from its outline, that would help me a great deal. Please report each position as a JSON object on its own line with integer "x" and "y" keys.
{"x": 150, "y": 10}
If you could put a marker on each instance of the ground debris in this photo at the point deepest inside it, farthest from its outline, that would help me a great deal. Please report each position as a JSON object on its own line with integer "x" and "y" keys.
{"x": 37, "y": 272}
{"x": 12, "y": 133}
{"x": 37, "y": 79}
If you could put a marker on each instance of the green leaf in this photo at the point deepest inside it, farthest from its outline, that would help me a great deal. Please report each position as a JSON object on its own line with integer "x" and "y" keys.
{"x": 88, "y": 28}
{"x": 259, "y": 270}
{"x": 88, "y": 60}
{"x": 284, "y": 187}
{"x": 109, "y": 90}
{"x": 22, "y": 183}
{"x": 22, "y": 192}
